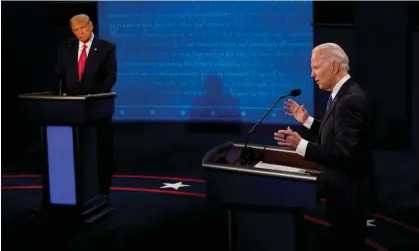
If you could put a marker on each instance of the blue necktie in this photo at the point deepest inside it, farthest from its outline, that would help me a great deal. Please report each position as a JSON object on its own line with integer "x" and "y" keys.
{"x": 329, "y": 102}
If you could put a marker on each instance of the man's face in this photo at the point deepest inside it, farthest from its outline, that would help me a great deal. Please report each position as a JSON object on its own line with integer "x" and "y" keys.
{"x": 322, "y": 71}
{"x": 82, "y": 30}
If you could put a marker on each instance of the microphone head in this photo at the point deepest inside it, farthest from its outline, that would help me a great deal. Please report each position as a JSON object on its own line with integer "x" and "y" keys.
{"x": 295, "y": 92}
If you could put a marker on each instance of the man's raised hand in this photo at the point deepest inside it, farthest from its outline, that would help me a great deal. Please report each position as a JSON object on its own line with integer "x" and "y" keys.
{"x": 293, "y": 109}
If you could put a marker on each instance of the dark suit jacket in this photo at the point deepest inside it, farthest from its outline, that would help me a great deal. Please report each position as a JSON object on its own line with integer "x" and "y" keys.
{"x": 100, "y": 70}
{"x": 343, "y": 147}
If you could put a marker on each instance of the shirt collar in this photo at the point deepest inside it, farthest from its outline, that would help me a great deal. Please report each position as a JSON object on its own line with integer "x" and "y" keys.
{"x": 89, "y": 43}
{"x": 339, "y": 85}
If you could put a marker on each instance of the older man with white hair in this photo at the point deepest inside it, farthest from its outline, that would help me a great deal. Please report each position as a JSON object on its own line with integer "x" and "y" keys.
{"x": 343, "y": 147}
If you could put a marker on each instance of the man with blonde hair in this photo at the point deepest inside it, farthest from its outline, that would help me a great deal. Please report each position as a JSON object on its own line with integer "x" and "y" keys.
{"x": 342, "y": 149}
{"x": 87, "y": 65}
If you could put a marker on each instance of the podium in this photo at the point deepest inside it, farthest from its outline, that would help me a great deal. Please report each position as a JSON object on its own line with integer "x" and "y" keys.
{"x": 69, "y": 152}
{"x": 251, "y": 191}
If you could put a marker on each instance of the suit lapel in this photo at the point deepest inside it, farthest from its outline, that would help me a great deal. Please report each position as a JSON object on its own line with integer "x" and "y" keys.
{"x": 335, "y": 100}
{"x": 90, "y": 57}
{"x": 326, "y": 116}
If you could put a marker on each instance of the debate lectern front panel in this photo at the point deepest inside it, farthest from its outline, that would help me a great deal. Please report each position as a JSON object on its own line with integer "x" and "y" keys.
{"x": 271, "y": 181}
{"x": 70, "y": 149}
{"x": 231, "y": 182}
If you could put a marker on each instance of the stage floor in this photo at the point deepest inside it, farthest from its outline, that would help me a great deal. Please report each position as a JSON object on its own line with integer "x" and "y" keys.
{"x": 163, "y": 211}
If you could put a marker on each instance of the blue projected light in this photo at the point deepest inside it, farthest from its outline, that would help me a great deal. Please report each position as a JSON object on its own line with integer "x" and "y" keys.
{"x": 200, "y": 61}
{"x": 62, "y": 182}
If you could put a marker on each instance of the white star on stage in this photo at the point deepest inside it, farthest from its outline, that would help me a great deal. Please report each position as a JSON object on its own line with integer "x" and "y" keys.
{"x": 175, "y": 186}
{"x": 370, "y": 223}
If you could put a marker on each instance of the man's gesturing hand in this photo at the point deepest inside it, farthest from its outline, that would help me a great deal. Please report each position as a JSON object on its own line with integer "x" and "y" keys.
{"x": 287, "y": 138}
{"x": 295, "y": 110}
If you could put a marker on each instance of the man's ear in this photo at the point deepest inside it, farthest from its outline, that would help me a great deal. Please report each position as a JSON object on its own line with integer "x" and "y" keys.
{"x": 335, "y": 67}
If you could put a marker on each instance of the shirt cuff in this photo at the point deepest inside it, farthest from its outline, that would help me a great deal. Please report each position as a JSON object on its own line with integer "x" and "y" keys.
{"x": 309, "y": 122}
{"x": 302, "y": 147}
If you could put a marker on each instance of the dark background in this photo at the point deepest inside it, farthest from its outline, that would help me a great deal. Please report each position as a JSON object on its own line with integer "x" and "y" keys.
{"x": 380, "y": 38}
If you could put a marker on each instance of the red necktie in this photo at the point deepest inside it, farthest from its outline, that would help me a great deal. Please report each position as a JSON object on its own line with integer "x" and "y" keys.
{"x": 82, "y": 61}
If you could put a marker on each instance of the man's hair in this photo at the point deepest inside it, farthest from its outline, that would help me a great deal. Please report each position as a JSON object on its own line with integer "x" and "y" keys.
{"x": 334, "y": 51}
{"x": 79, "y": 18}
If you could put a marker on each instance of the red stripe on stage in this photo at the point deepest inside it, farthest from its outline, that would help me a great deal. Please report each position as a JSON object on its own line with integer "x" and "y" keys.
{"x": 375, "y": 245}
{"x": 368, "y": 241}
{"x": 20, "y": 176}
{"x": 121, "y": 176}
{"x": 317, "y": 221}
{"x": 19, "y": 187}
{"x": 388, "y": 219}
{"x": 134, "y": 189}
{"x": 147, "y": 190}
{"x": 411, "y": 228}
{"x": 127, "y": 176}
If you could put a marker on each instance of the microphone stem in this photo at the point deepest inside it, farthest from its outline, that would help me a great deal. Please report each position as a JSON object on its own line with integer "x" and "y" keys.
{"x": 260, "y": 120}
{"x": 60, "y": 92}
{"x": 266, "y": 114}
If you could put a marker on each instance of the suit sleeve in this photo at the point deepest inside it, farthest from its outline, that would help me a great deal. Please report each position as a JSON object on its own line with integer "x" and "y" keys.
{"x": 315, "y": 127}
{"x": 349, "y": 124}
{"x": 110, "y": 70}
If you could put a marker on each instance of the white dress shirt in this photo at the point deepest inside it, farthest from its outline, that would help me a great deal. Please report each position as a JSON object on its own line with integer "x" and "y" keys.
{"x": 302, "y": 146}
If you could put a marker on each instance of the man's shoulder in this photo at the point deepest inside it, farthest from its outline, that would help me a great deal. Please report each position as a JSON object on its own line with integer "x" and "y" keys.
{"x": 105, "y": 43}
{"x": 353, "y": 89}
{"x": 354, "y": 95}
{"x": 68, "y": 43}
{"x": 358, "y": 91}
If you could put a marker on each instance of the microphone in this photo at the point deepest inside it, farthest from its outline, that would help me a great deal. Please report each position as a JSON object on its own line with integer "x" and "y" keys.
{"x": 247, "y": 152}
{"x": 295, "y": 93}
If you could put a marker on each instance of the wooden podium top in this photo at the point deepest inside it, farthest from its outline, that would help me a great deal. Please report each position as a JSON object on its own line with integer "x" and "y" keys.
{"x": 227, "y": 156}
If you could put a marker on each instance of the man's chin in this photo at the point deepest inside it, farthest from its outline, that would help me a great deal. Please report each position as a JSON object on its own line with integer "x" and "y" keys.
{"x": 83, "y": 40}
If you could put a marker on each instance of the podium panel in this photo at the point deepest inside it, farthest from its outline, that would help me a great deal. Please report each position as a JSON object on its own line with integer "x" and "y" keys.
{"x": 258, "y": 181}
{"x": 61, "y": 166}
{"x": 259, "y": 189}
{"x": 69, "y": 130}
{"x": 230, "y": 182}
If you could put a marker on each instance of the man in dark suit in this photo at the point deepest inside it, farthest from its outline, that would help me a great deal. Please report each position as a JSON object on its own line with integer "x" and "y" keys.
{"x": 87, "y": 65}
{"x": 343, "y": 148}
